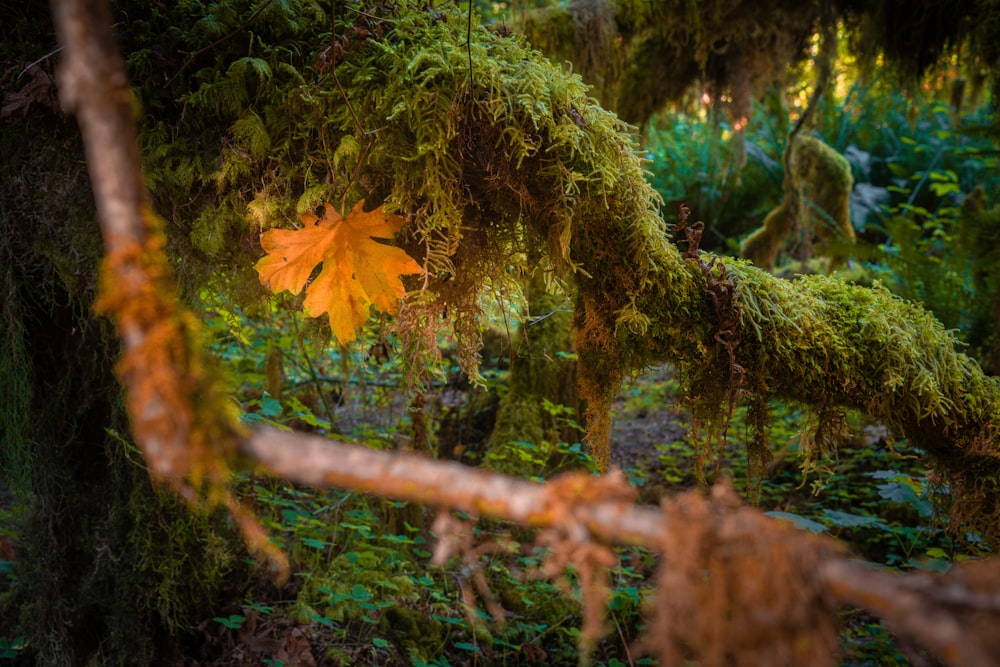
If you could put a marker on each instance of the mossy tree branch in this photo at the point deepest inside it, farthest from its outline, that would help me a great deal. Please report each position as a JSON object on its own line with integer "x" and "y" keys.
{"x": 526, "y": 160}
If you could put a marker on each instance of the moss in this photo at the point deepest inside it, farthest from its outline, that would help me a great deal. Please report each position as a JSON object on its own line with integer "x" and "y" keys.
{"x": 816, "y": 207}
{"x": 640, "y": 55}
{"x": 503, "y": 164}
{"x": 95, "y": 540}
{"x": 536, "y": 166}
{"x": 979, "y": 238}
{"x": 540, "y": 374}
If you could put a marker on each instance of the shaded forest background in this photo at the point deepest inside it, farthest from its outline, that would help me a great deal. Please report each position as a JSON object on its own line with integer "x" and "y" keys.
{"x": 103, "y": 568}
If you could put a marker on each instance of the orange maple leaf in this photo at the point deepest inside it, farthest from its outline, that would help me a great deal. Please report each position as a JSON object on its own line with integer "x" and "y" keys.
{"x": 357, "y": 273}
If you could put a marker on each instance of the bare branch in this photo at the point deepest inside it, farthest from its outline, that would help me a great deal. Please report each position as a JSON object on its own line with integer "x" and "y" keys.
{"x": 317, "y": 461}
{"x": 942, "y": 615}
{"x": 716, "y": 535}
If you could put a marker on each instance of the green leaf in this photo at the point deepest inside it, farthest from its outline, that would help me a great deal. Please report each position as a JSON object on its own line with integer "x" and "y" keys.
{"x": 799, "y": 521}
{"x": 465, "y": 646}
{"x": 848, "y": 520}
{"x": 322, "y": 620}
{"x": 270, "y": 407}
{"x": 233, "y": 622}
{"x": 897, "y": 492}
{"x": 380, "y": 643}
{"x": 259, "y": 608}
{"x": 448, "y": 619}
{"x": 942, "y": 189}
{"x": 314, "y": 543}
{"x": 360, "y": 594}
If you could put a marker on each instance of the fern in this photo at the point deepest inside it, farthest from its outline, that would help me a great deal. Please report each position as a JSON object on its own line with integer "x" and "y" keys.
{"x": 239, "y": 70}
{"x": 250, "y": 133}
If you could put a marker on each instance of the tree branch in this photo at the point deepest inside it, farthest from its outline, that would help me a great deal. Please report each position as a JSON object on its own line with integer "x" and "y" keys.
{"x": 947, "y": 615}
{"x": 609, "y": 514}
{"x": 181, "y": 416}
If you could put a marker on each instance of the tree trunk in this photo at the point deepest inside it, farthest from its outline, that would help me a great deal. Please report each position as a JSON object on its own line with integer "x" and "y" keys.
{"x": 542, "y": 402}
{"x": 109, "y": 570}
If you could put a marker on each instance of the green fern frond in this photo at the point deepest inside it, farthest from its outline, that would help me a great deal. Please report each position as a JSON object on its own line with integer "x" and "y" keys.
{"x": 250, "y": 134}
{"x": 240, "y": 68}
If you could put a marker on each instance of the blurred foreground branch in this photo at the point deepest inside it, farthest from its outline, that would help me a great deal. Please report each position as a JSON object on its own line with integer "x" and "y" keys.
{"x": 604, "y": 505}
{"x": 718, "y": 555}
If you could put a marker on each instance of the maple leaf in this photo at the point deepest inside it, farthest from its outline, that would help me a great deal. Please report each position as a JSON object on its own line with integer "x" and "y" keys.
{"x": 357, "y": 273}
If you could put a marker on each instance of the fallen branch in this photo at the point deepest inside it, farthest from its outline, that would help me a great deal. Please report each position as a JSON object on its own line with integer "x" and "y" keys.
{"x": 601, "y": 504}
{"x": 718, "y": 554}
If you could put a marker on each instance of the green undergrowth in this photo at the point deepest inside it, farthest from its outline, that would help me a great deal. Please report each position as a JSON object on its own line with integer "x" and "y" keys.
{"x": 361, "y": 584}
{"x": 362, "y": 588}
{"x": 877, "y": 496}
{"x": 881, "y": 500}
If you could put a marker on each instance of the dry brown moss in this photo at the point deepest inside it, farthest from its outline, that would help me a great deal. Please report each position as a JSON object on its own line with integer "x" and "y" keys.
{"x": 739, "y": 588}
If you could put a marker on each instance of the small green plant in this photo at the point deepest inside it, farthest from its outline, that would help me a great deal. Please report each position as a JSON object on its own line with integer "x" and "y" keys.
{"x": 11, "y": 648}
{"x": 233, "y": 622}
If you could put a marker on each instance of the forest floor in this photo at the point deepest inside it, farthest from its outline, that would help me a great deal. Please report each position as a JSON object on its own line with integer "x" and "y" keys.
{"x": 859, "y": 502}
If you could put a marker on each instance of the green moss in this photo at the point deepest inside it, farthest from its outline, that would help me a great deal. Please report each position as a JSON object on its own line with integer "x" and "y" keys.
{"x": 979, "y": 239}
{"x": 816, "y": 208}
{"x": 640, "y": 55}
{"x": 95, "y": 543}
{"x": 539, "y": 377}
{"x": 506, "y": 165}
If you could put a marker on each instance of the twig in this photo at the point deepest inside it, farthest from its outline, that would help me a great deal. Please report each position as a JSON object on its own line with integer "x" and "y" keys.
{"x": 45, "y": 57}
{"x": 313, "y": 373}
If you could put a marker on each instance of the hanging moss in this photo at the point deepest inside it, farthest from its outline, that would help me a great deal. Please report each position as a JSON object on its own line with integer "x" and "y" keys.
{"x": 640, "y": 55}
{"x": 518, "y": 152}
